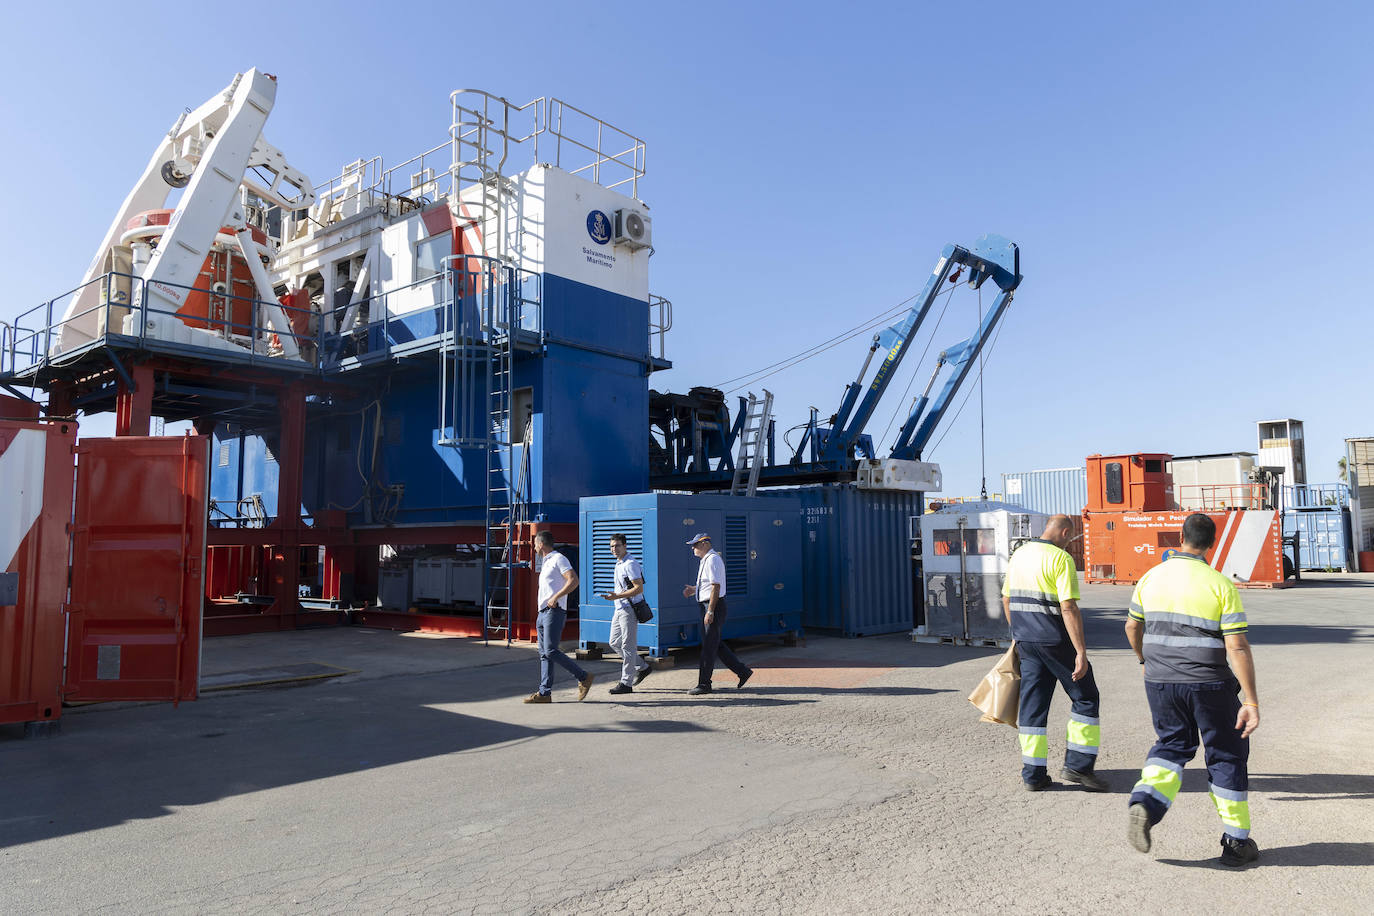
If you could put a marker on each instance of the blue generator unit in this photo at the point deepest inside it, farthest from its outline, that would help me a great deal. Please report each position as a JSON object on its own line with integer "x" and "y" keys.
{"x": 758, "y": 538}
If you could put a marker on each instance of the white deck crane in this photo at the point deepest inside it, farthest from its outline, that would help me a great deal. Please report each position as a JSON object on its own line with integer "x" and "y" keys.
{"x": 208, "y": 153}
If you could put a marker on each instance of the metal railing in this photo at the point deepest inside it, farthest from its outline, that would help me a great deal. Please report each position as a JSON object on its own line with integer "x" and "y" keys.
{"x": 660, "y": 323}
{"x": 1316, "y": 495}
{"x": 1222, "y": 496}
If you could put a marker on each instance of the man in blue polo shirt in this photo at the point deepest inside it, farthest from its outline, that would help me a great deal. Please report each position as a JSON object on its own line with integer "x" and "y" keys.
{"x": 1188, "y": 628}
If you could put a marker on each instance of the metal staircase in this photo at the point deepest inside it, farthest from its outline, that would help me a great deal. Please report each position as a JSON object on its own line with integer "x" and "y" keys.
{"x": 751, "y": 438}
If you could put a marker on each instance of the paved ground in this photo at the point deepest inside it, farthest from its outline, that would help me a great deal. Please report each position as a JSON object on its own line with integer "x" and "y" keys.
{"x": 848, "y": 777}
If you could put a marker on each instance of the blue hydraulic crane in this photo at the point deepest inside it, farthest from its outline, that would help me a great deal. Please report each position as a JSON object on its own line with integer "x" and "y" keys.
{"x": 833, "y": 453}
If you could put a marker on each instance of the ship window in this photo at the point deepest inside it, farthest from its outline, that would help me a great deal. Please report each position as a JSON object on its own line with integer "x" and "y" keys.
{"x": 977, "y": 542}
{"x": 430, "y": 254}
{"x": 1153, "y": 465}
{"x": 1115, "y": 492}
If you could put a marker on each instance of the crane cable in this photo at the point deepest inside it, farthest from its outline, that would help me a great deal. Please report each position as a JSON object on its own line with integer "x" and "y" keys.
{"x": 759, "y": 375}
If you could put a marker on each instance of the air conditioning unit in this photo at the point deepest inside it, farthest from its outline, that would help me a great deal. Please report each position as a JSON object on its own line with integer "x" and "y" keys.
{"x": 633, "y": 228}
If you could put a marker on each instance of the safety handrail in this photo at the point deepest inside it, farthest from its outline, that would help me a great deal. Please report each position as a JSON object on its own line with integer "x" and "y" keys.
{"x": 660, "y": 323}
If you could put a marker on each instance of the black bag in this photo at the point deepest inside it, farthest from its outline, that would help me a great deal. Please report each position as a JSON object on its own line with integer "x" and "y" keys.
{"x": 643, "y": 613}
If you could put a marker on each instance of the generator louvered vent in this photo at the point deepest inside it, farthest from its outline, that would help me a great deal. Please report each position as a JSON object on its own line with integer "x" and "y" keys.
{"x": 736, "y": 555}
{"x": 603, "y": 563}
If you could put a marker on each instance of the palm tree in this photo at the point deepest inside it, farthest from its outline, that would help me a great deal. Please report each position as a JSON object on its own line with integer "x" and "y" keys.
{"x": 1340, "y": 463}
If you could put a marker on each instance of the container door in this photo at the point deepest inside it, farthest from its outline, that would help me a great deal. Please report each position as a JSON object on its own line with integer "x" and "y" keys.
{"x": 138, "y": 549}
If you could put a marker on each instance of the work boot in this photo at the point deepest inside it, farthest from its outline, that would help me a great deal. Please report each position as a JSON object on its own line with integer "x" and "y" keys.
{"x": 642, "y": 674}
{"x": 539, "y": 698}
{"x": 621, "y": 688}
{"x": 1089, "y": 781}
{"x": 745, "y": 679}
{"x": 699, "y": 690}
{"x": 1235, "y": 853}
{"x": 1138, "y": 827}
{"x": 1038, "y": 785}
{"x": 583, "y": 686}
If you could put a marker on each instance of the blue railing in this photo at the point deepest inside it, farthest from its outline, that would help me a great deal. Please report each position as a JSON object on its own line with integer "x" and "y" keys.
{"x": 1316, "y": 495}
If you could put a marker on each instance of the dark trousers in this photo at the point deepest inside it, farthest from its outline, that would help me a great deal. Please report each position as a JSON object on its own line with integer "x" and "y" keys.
{"x": 1182, "y": 713}
{"x": 1043, "y": 666}
{"x": 712, "y": 647}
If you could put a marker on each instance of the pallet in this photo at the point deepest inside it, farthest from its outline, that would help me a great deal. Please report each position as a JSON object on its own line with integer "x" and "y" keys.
{"x": 980, "y": 642}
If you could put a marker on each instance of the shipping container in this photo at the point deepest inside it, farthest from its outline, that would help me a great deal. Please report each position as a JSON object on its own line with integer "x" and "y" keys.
{"x": 858, "y": 563}
{"x": 1323, "y": 537}
{"x": 1054, "y": 491}
{"x": 758, "y": 538}
{"x": 1215, "y": 481}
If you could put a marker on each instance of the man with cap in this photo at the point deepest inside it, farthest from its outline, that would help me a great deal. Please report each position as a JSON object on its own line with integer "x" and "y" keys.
{"x": 710, "y": 594}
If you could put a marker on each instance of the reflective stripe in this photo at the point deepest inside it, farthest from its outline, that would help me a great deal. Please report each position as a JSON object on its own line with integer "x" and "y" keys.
{"x": 1035, "y": 747}
{"x": 1234, "y": 813}
{"x": 1203, "y": 642}
{"x": 1164, "y": 780}
{"x": 1084, "y": 735}
{"x": 1091, "y": 750}
{"x": 1029, "y": 595}
{"x": 1187, "y": 620}
{"x": 1166, "y": 764}
{"x": 1031, "y": 730}
{"x": 1032, "y": 609}
{"x": 1163, "y": 799}
{"x": 1135, "y": 611}
{"x": 1086, "y": 720}
{"x": 1232, "y": 620}
{"x": 1237, "y": 832}
{"x": 1228, "y": 794}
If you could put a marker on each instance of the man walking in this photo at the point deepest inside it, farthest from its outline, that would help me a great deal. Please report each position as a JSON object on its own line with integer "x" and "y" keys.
{"x": 629, "y": 580}
{"x": 710, "y": 595}
{"x": 556, "y": 581}
{"x": 1188, "y": 628}
{"x": 1040, "y": 599}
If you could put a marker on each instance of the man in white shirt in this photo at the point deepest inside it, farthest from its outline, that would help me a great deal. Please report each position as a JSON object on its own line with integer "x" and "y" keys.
{"x": 710, "y": 595}
{"x": 629, "y": 583}
{"x": 556, "y": 581}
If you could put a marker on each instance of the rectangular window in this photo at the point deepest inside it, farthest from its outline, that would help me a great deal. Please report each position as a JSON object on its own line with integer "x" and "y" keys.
{"x": 1115, "y": 492}
{"x": 978, "y": 542}
{"x": 430, "y": 254}
{"x": 1153, "y": 465}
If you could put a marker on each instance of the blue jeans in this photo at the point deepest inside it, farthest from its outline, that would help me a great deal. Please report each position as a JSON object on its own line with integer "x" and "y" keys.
{"x": 1043, "y": 666}
{"x": 550, "y": 629}
{"x": 1181, "y": 713}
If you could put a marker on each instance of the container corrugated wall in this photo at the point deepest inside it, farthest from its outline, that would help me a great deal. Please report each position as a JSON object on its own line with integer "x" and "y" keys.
{"x": 1323, "y": 537}
{"x": 858, "y": 571}
{"x": 1051, "y": 492}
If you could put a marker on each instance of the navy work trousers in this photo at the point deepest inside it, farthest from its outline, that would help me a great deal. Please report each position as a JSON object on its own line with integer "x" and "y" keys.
{"x": 1043, "y": 666}
{"x": 1182, "y": 713}
{"x": 550, "y": 630}
{"x": 712, "y": 646}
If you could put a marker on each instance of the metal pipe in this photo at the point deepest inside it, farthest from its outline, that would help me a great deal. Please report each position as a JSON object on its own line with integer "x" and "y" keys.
{"x": 963, "y": 569}
{"x": 276, "y": 315}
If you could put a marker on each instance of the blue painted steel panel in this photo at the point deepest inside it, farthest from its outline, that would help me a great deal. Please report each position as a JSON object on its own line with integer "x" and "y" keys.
{"x": 580, "y": 314}
{"x": 242, "y": 466}
{"x": 1323, "y": 537}
{"x": 764, "y": 594}
{"x": 858, "y": 576}
{"x": 1049, "y": 492}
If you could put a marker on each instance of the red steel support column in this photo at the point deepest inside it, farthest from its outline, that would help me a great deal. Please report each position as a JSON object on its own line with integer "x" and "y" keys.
{"x": 134, "y": 408}
{"x": 291, "y": 466}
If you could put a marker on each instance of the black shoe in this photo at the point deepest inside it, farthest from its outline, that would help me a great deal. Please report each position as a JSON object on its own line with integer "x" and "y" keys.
{"x": 642, "y": 674}
{"x": 1038, "y": 785}
{"x": 744, "y": 680}
{"x": 621, "y": 688}
{"x": 699, "y": 690}
{"x": 1138, "y": 827}
{"x": 1235, "y": 853}
{"x": 1089, "y": 781}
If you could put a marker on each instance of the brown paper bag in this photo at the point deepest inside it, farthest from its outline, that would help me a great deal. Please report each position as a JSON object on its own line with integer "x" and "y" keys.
{"x": 998, "y": 695}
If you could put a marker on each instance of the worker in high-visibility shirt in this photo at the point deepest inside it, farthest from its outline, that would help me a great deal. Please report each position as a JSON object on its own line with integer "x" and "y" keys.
{"x": 1040, "y": 599}
{"x": 1187, "y": 628}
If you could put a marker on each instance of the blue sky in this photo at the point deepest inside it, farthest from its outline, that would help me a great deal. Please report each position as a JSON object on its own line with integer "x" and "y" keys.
{"x": 1189, "y": 183}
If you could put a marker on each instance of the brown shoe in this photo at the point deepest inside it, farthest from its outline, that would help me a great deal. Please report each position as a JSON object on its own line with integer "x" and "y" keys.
{"x": 583, "y": 686}
{"x": 539, "y": 698}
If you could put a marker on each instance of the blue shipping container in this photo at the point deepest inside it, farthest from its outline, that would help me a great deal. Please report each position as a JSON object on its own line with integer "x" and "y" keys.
{"x": 758, "y": 538}
{"x": 858, "y": 575}
{"x": 1050, "y": 492}
{"x": 1323, "y": 537}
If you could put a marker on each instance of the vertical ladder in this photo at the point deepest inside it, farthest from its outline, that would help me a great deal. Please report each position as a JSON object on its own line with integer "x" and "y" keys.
{"x": 751, "y": 438}
{"x": 505, "y": 502}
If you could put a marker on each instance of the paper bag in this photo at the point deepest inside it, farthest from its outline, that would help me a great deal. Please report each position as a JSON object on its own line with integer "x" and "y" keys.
{"x": 998, "y": 694}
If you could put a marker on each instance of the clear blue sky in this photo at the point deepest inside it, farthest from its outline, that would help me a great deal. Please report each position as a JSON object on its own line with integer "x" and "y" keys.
{"x": 1189, "y": 183}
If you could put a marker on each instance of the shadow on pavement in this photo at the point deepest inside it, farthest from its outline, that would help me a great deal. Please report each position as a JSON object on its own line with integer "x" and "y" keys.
{"x": 1305, "y": 854}
{"x": 1314, "y": 786}
{"x": 139, "y": 762}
